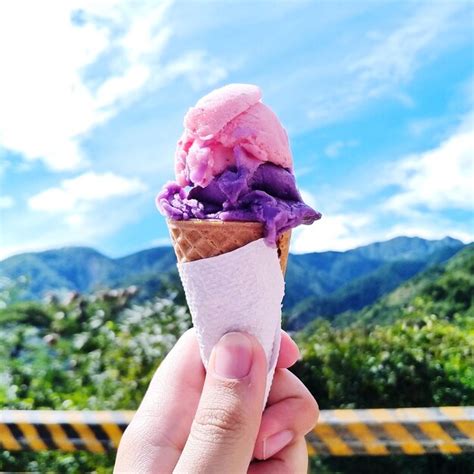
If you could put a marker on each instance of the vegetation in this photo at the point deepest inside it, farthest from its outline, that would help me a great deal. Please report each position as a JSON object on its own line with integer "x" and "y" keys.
{"x": 359, "y": 277}
{"x": 445, "y": 290}
{"x": 420, "y": 360}
{"x": 317, "y": 284}
{"x": 414, "y": 347}
{"x": 96, "y": 352}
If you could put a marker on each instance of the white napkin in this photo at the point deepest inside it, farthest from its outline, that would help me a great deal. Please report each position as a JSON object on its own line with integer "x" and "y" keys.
{"x": 242, "y": 291}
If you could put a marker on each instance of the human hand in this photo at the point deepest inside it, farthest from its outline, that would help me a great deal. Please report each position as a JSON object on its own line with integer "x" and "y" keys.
{"x": 193, "y": 422}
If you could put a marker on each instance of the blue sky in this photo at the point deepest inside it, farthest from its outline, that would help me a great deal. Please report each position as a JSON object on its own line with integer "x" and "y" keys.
{"x": 377, "y": 98}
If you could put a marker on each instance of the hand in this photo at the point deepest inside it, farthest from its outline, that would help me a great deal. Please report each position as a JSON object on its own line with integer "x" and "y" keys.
{"x": 190, "y": 421}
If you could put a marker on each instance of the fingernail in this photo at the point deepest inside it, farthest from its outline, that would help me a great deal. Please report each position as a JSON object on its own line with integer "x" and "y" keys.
{"x": 275, "y": 443}
{"x": 233, "y": 356}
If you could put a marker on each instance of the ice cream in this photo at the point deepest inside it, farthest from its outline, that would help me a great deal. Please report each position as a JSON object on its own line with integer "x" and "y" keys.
{"x": 230, "y": 214}
{"x": 235, "y": 157}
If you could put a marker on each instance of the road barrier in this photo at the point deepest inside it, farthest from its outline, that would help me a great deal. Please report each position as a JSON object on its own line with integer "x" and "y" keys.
{"x": 376, "y": 432}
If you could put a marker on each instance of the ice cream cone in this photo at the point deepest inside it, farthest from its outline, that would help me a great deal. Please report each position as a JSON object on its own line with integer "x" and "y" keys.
{"x": 234, "y": 151}
{"x": 196, "y": 239}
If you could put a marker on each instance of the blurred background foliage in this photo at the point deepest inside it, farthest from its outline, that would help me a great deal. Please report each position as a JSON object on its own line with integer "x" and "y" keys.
{"x": 413, "y": 347}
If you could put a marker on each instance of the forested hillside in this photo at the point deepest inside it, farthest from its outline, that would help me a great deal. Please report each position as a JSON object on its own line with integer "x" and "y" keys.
{"x": 321, "y": 284}
{"x": 447, "y": 288}
{"x": 412, "y": 348}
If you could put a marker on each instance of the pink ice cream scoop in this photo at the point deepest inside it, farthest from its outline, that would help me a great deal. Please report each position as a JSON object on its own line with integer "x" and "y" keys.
{"x": 235, "y": 155}
{"x": 228, "y": 117}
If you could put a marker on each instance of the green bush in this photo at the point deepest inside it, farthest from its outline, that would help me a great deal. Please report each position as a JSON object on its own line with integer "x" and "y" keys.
{"x": 420, "y": 360}
{"x": 95, "y": 352}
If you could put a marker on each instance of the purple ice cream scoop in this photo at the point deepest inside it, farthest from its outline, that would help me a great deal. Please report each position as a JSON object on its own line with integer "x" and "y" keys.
{"x": 235, "y": 157}
{"x": 267, "y": 194}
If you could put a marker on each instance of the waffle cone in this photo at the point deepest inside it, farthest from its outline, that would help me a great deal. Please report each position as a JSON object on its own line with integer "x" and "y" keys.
{"x": 196, "y": 239}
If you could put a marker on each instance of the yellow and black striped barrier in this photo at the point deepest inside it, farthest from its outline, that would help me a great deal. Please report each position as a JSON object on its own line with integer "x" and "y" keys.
{"x": 377, "y": 432}
{"x": 406, "y": 431}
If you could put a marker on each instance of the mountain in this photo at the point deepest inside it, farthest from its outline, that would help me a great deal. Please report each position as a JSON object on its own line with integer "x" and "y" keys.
{"x": 351, "y": 280}
{"x": 317, "y": 284}
{"x": 448, "y": 288}
{"x": 74, "y": 268}
{"x": 84, "y": 269}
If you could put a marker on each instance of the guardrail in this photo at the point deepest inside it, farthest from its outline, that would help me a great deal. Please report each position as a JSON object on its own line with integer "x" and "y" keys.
{"x": 376, "y": 432}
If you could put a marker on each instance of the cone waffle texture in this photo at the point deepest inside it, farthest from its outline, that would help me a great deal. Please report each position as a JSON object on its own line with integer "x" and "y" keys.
{"x": 197, "y": 239}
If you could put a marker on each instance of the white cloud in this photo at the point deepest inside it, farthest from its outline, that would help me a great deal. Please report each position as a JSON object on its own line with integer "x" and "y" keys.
{"x": 421, "y": 126}
{"x": 342, "y": 232}
{"x": 381, "y": 67}
{"x": 441, "y": 178}
{"x": 45, "y": 105}
{"x": 334, "y": 149}
{"x": 308, "y": 198}
{"x": 332, "y": 232}
{"x": 68, "y": 67}
{"x": 201, "y": 69}
{"x": 428, "y": 184}
{"x": 85, "y": 210}
{"x": 78, "y": 193}
{"x": 161, "y": 242}
{"x": 395, "y": 57}
{"x": 6, "y": 202}
{"x": 88, "y": 225}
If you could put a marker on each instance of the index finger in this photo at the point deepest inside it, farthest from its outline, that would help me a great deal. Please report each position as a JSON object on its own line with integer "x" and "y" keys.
{"x": 289, "y": 351}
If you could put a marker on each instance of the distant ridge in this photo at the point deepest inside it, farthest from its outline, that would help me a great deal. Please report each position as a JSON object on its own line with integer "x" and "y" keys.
{"x": 449, "y": 287}
{"x": 350, "y": 280}
{"x": 320, "y": 283}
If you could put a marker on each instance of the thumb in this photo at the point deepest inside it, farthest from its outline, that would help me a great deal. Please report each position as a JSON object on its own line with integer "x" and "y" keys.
{"x": 227, "y": 420}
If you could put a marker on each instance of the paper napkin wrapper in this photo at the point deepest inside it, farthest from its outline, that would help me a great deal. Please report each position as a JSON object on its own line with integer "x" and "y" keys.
{"x": 240, "y": 291}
